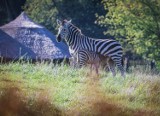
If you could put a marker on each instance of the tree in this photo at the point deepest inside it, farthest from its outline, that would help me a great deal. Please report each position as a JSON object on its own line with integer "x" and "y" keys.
{"x": 43, "y": 12}
{"x": 10, "y": 9}
{"x": 82, "y": 13}
{"x": 136, "y": 23}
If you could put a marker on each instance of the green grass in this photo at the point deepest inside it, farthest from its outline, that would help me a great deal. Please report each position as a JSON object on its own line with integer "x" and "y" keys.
{"x": 48, "y": 89}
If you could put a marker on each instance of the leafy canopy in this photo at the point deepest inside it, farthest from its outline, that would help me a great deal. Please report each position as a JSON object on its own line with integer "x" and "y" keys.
{"x": 136, "y": 23}
{"x": 82, "y": 13}
{"x": 43, "y": 12}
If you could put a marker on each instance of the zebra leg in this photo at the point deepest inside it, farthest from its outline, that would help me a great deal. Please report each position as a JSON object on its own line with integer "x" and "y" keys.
{"x": 111, "y": 66}
{"x": 80, "y": 60}
{"x": 91, "y": 68}
{"x": 81, "y": 63}
{"x": 118, "y": 62}
{"x": 97, "y": 68}
{"x": 73, "y": 61}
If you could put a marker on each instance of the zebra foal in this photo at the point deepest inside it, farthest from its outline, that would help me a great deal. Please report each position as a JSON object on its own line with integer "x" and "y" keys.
{"x": 85, "y": 57}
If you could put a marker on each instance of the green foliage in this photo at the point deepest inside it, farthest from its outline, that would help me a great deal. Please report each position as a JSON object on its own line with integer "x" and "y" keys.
{"x": 82, "y": 13}
{"x": 136, "y": 23}
{"x": 9, "y": 10}
{"x": 43, "y": 12}
{"x": 158, "y": 65}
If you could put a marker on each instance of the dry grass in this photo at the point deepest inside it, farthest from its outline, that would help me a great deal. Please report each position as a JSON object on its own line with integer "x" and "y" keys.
{"x": 13, "y": 102}
{"x": 94, "y": 102}
{"x": 47, "y": 90}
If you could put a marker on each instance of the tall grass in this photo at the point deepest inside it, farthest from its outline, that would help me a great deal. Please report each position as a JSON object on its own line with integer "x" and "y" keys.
{"x": 48, "y": 89}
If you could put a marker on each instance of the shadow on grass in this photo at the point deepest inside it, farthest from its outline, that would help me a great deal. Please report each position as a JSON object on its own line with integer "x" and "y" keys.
{"x": 99, "y": 105}
{"x": 103, "y": 108}
{"x": 14, "y": 103}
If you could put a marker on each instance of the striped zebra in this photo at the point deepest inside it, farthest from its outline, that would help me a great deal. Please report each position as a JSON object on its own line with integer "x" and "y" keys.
{"x": 78, "y": 41}
{"x": 85, "y": 57}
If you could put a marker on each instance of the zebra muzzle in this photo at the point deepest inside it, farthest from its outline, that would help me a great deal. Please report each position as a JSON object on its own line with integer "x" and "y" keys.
{"x": 58, "y": 38}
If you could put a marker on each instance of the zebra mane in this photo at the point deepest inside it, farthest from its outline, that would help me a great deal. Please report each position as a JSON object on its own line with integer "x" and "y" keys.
{"x": 65, "y": 21}
{"x": 79, "y": 30}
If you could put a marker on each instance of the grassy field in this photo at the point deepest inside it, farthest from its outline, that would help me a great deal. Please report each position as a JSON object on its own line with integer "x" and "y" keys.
{"x": 46, "y": 90}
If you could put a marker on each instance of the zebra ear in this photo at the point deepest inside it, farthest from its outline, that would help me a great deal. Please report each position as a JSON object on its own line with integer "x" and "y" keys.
{"x": 59, "y": 22}
{"x": 70, "y": 21}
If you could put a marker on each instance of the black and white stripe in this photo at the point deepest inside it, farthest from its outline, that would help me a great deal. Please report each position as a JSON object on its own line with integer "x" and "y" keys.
{"x": 77, "y": 41}
{"x": 86, "y": 57}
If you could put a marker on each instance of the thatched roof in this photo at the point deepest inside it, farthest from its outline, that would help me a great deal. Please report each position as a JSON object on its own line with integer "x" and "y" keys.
{"x": 12, "y": 49}
{"x": 35, "y": 40}
{"x": 22, "y": 21}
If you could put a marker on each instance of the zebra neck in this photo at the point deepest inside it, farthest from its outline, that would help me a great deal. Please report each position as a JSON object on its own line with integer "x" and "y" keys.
{"x": 73, "y": 40}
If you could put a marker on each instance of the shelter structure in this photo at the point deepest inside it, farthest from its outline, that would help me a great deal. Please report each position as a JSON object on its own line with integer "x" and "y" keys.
{"x": 23, "y": 38}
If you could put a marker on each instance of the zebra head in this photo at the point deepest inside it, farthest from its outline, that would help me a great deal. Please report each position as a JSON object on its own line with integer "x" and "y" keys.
{"x": 62, "y": 30}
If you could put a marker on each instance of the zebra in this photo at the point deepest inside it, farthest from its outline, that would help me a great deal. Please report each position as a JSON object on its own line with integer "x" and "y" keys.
{"x": 85, "y": 57}
{"x": 78, "y": 41}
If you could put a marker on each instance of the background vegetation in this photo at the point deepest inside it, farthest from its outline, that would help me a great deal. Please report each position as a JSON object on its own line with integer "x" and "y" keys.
{"x": 9, "y": 10}
{"x": 134, "y": 23}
